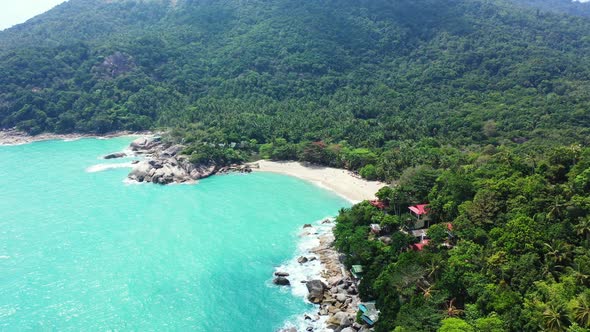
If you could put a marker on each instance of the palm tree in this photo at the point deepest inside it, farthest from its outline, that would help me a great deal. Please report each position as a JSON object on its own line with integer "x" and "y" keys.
{"x": 427, "y": 292}
{"x": 583, "y": 228}
{"x": 557, "y": 209}
{"x": 579, "y": 272}
{"x": 433, "y": 269}
{"x": 558, "y": 255}
{"x": 451, "y": 310}
{"x": 555, "y": 318}
{"x": 581, "y": 311}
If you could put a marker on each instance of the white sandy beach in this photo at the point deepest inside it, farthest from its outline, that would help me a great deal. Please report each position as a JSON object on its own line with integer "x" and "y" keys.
{"x": 16, "y": 137}
{"x": 340, "y": 181}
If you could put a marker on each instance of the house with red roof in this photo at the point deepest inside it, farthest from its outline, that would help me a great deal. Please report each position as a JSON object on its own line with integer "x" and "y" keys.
{"x": 420, "y": 211}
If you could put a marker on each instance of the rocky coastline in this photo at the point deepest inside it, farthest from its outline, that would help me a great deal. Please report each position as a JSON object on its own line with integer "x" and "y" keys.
{"x": 333, "y": 290}
{"x": 164, "y": 163}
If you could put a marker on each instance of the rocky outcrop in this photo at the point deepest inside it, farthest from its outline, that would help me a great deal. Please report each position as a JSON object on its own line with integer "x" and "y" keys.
{"x": 170, "y": 170}
{"x": 165, "y": 163}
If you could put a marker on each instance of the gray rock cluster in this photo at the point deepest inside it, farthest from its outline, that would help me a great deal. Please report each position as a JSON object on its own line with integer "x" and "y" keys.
{"x": 165, "y": 164}
{"x": 166, "y": 170}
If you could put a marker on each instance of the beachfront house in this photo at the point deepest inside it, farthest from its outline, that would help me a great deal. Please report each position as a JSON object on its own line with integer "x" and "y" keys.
{"x": 370, "y": 314}
{"x": 420, "y": 211}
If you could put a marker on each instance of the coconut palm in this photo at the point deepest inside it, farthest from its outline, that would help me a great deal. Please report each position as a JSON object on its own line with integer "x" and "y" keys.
{"x": 583, "y": 228}
{"x": 555, "y": 318}
{"x": 580, "y": 273}
{"x": 451, "y": 310}
{"x": 581, "y": 311}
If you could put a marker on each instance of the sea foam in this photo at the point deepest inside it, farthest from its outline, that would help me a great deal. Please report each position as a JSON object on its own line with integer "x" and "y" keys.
{"x": 104, "y": 167}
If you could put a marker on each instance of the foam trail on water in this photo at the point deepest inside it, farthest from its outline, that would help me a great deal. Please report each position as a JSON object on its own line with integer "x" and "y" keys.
{"x": 309, "y": 238}
{"x": 104, "y": 167}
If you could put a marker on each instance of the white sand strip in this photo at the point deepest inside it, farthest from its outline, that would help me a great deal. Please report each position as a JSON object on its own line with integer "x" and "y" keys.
{"x": 340, "y": 181}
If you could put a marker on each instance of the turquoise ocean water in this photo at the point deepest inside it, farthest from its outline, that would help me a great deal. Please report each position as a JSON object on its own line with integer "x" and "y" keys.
{"x": 84, "y": 251}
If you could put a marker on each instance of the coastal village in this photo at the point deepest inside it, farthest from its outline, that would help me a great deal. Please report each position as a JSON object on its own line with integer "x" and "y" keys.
{"x": 336, "y": 294}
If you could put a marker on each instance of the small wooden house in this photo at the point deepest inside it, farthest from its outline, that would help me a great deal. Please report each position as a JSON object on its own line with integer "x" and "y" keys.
{"x": 370, "y": 314}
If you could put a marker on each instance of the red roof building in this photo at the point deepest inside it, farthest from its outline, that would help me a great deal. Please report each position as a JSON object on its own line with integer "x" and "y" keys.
{"x": 420, "y": 245}
{"x": 419, "y": 209}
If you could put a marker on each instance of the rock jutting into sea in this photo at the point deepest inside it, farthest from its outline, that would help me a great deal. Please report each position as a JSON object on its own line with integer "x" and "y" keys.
{"x": 165, "y": 163}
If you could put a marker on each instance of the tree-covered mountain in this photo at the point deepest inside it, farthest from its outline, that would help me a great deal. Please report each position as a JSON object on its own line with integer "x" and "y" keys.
{"x": 369, "y": 72}
{"x": 577, "y": 8}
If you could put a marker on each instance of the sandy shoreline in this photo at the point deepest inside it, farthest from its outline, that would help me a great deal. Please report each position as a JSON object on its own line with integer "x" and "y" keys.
{"x": 16, "y": 137}
{"x": 340, "y": 181}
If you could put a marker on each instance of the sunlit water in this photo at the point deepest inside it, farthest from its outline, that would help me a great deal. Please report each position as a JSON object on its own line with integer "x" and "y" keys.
{"x": 83, "y": 251}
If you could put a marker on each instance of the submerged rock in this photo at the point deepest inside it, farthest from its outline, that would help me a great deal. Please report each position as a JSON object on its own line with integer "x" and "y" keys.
{"x": 281, "y": 281}
{"x": 290, "y": 329}
{"x": 115, "y": 155}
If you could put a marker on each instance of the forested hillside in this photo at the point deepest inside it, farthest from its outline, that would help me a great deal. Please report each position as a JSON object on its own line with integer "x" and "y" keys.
{"x": 479, "y": 108}
{"x": 372, "y": 73}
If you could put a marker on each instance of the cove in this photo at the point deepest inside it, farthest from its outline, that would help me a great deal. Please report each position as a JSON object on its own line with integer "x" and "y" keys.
{"x": 83, "y": 251}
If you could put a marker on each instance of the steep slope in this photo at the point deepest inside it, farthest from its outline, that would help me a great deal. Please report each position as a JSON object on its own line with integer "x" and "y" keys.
{"x": 368, "y": 72}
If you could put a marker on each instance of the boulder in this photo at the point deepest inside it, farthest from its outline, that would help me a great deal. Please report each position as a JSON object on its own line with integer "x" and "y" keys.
{"x": 144, "y": 143}
{"x": 281, "y": 281}
{"x": 338, "y": 318}
{"x": 115, "y": 155}
{"x": 302, "y": 260}
{"x": 140, "y": 171}
{"x": 172, "y": 151}
{"x": 281, "y": 274}
{"x": 346, "y": 321}
{"x": 341, "y": 297}
{"x": 316, "y": 291}
{"x": 307, "y": 226}
{"x": 348, "y": 329}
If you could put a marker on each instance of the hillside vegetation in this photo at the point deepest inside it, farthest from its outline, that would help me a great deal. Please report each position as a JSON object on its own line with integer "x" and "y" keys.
{"x": 480, "y": 108}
